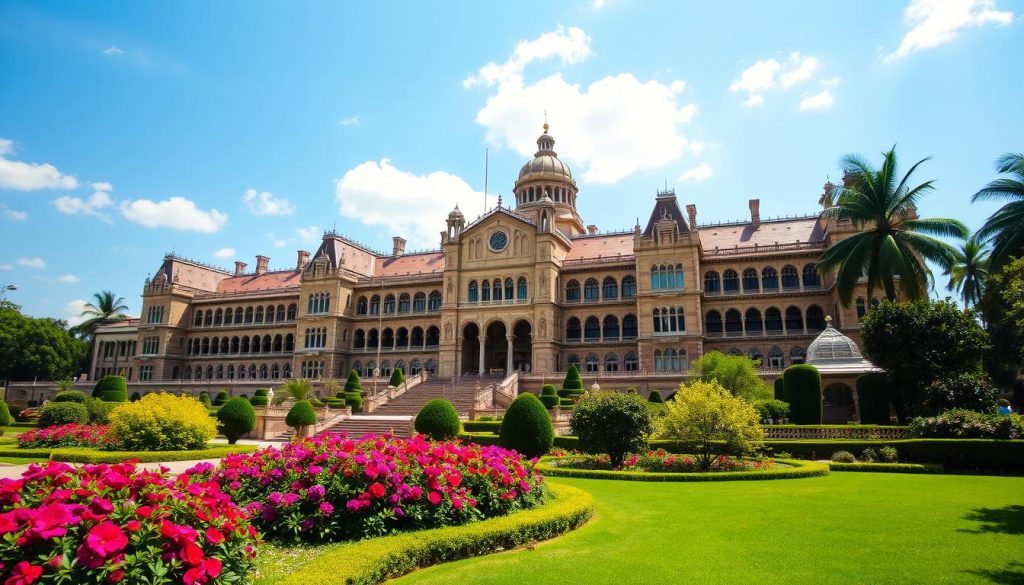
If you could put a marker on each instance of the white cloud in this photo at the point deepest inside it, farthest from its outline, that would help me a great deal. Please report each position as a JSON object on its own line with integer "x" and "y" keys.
{"x": 278, "y": 243}
{"x": 263, "y": 203}
{"x": 831, "y": 81}
{"x": 98, "y": 201}
{"x": 73, "y": 312}
{"x": 177, "y": 213}
{"x": 35, "y": 262}
{"x": 599, "y": 4}
{"x": 771, "y": 75}
{"x": 224, "y": 253}
{"x": 379, "y": 194}
{"x": 934, "y": 22}
{"x": 102, "y": 186}
{"x": 351, "y": 121}
{"x": 701, "y": 172}
{"x": 309, "y": 235}
{"x": 22, "y": 176}
{"x": 6, "y": 267}
{"x": 15, "y": 215}
{"x": 68, "y": 279}
{"x": 823, "y": 99}
{"x": 571, "y": 45}
{"x": 113, "y": 51}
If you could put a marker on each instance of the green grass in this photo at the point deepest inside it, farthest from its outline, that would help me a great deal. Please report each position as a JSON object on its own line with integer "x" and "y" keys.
{"x": 22, "y": 460}
{"x": 841, "y": 528}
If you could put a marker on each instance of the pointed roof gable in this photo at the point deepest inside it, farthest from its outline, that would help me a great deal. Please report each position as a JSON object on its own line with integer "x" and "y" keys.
{"x": 666, "y": 207}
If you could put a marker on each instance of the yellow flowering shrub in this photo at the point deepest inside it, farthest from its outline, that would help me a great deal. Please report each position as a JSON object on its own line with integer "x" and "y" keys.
{"x": 162, "y": 422}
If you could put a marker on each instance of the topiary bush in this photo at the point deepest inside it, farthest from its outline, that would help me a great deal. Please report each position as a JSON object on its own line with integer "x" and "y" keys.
{"x": 135, "y": 396}
{"x": 873, "y": 398}
{"x": 655, "y": 396}
{"x": 352, "y": 384}
{"x": 5, "y": 415}
{"x": 162, "y": 422}
{"x": 803, "y": 387}
{"x": 222, "y": 397}
{"x": 612, "y": 423}
{"x": 237, "y": 417}
{"x": 114, "y": 396}
{"x": 204, "y": 398}
{"x": 300, "y": 416}
{"x": 527, "y": 427}
{"x": 110, "y": 383}
{"x": 62, "y": 413}
{"x": 70, "y": 396}
{"x": 549, "y": 396}
{"x": 780, "y": 390}
{"x": 397, "y": 377}
{"x": 259, "y": 401}
{"x": 843, "y": 457}
{"x": 439, "y": 420}
{"x": 261, "y": 392}
{"x": 572, "y": 379}
{"x": 355, "y": 401}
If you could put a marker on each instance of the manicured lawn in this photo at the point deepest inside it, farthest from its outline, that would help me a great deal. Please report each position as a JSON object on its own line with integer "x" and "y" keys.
{"x": 843, "y": 528}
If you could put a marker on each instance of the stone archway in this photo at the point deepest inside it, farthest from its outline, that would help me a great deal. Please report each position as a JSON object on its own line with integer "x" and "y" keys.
{"x": 837, "y": 404}
{"x": 522, "y": 345}
{"x": 496, "y": 347}
{"x": 470, "y": 349}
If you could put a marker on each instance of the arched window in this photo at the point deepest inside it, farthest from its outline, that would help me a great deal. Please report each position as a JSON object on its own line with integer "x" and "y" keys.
{"x": 433, "y": 336}
{"x": 270, "y": 314}
{"x": 655, "y": 277}
{"x": 359, "y": 339}
{"x": 485, "y": 291}
{"x": 372, "y": 339}
{"x": 208, "y": 319}
{"x": 862, "y": 307}
{"x": 753, "y": 322}
{"x": 790, "y": 279}
{"x": 776, "y": 359}
{"x": 402, "y": 337}
{"x": 631, "y": 363}
{"x": 811, "y": 278}
{"x": 794, "y": 320}
{"x": 417, "y": 337}
{"x": 375, "y": 305}
{"x": 574, "y": 360}
{"x": 773, "y": 321}
{"x": 592, "y": 328}
{"x": 730, "y": 281}
{"x": 431, "y": 367}
{"x": 310, "y": 305}
{"x": 206, "y": 345}
{"x": 769, "y": 279}
{"x": 572, "y": 291}
{"x": 713, "y": 323}
{"x": 198, "y": 321}
{"x": 609, "y": 289}
{"x": 249, "y": 314}
{"x": 521, "y": 290}
{"x": 252, "y": 371}
{"x": 628, "y": 287}
{"x": 434, "y": 301}
{"x": 629, "y": 327}
{"x": 592, "y": 362}
{"x": 611, "y": 362}
{"x": 659, "y": 360}
{"x": 415, "y": 366}
{"x": 590, "y": 290}
{"x": 712, "y": 282}
{"x": 243, "y": 372}
{"x": 509, "y": 292}
{"x": 362, "y": 306}
{"x": 235, "y": 342}
{"x": 259, "y": 314}
{"x": 419, "y": 302}
{"x": 245, "y": 344}
{"x": 610, "y": 327}
{"x": 733, "y": 322}
{"x": 815, "y": 318}
{"x": 797, "y": 355}
{"x": 389, "y": 304}
{"x": 404, "y": 305}
{"x": 387, "y": 338}
{"x": 229, "y": 316}
{"x": 275, "y": 371}
{"x": 496, "y": 289}
{"x": 573, "y": 331}
{"x": 750, "y": 280}
{"x": 292, "y": 313}
{"x": 239, "y": 313}
{"x": 657, "y": 320}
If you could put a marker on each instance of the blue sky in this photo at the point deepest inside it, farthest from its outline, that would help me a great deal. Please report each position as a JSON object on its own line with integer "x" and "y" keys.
{"x": 229, "y": 129}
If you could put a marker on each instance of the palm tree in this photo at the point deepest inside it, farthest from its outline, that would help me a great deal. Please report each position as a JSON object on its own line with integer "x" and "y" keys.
{"x": 894, "y": 244}
{"x": 106, "y": 310}
{"x": 298, "y": 389}
{"x": 1005, "y": 227}
{"x": 969, "y": 271}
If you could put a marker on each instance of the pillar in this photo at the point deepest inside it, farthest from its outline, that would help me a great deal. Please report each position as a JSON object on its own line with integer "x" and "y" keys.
{"x": 508, "y": 356}
{"x": 483, "y": 342}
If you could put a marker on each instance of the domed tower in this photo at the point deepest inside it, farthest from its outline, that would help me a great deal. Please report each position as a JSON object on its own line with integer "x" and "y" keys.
{"x": 545, "y": 188}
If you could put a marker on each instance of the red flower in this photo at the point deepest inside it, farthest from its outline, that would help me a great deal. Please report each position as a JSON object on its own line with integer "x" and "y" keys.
{"x": 115, "y": 576}
{"x": 24, "y": 573}
{"x": 213, "y": 536}
{"x": 144, "y": 511}
{"x": 191, "y": 554}
{"x": 106, "y": 539}
{"x": 435, "y": 498}
{"x": 377, "y": 490}
{"x": 132, "y": 526}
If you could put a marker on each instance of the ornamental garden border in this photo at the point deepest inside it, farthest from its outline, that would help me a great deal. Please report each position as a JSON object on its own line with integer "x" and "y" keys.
{"x": 548, "y": 466}
{"x": 88, "y": 455}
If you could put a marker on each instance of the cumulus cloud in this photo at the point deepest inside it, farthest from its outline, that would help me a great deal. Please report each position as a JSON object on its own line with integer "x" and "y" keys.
{"x": 94, "y": 205}
{"x": 350, "y": 121}
{"x": 113, "y": 51}
{"x": 406, "y": 204}
{"x": 599, "y": 4}
{"x": 224, "y": 253}
{"x": 15, "y": 215}
{"x": 177, "y": 213}
{"x": 771, "y": 75}
{"x": 607, "y": 130}
{"x": 68, "y": 279}
{"x": 823, "y": 99}
{"x": 73, "y": 312}
{"x": 278, "y": 243}
{"x": 309, "y": 235}
{"x": 701, "y": 172}
{"x": 22, "y": 176}
{"x": 34, "y": 262}
{"x": 934, "y": 22}
{"x": 266, "y": 204}
{"x": 6, "y": 267}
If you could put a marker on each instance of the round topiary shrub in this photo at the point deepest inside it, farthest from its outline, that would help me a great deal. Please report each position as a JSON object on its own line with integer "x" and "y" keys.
{"x": 70, "y": 396}
{"x": 843, "y": 457}
{"x": 572, "y": 379}
{"x": 655, "y": 397}
{"x": 5, "y": 414}
{"x": 237, "y": 417}
{"x": 135, "y": 396}
{"x": 259, "y": 401}
{"x": 63, "y": 413}
{"x": 261, "y": 392}
{"x": 780, "y": 390}
{"x": 527, "y": 427}
{"x": 204, "y": 398}
{"x": 397, "y": 377}
{"x": 439, "y": 420}
{"x": 114, "y": 395}
{"x": 110, "y": 383}
{"x": 549, "y": 396}
{"x": 873, "y": 396}
{"x": 300, "y": 416}
{"x": 222, "y": 398}
{"x": 162, "y": 422}
{"x": 803, "y": 387}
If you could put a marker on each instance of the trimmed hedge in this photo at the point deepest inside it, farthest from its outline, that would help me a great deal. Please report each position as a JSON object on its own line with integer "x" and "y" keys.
{"x": 780, "y": 390}
{"x": 803, "y": 389}
{"x": 261, "y": 392}
{"x": 237, "y": 417}
{"x": 572, "y": 379}
{"x": 5, "y": 415}
{"x": 375, "y": 560}
{"x": 352, "y": 384}
{"x": 438, "y": 419}
{"x": 222, "y": 397}
{"x": 549, "y": 396}
{"x": 888, "y": 467}
{"x": 873, "y": 396}
{"x": 300, "y": 415}
{"x": 109, "y": 383}
{"x": 482, "y": 426}
{"x": 259, "y": 401}
{"x": 655, "y": 397}
{"x": 548, "y": 466}
{"x": 83, "y": 455}
{"x": 204, "y": 398}
{"x": 63, "y": 413}
{"x": 527, "y": 427}
{"x": 397, "y": 377}
{"x": 70, "y": 396}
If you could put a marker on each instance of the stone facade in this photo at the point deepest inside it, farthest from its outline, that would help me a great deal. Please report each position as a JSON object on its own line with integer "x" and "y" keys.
{"x": 528, "y": 287}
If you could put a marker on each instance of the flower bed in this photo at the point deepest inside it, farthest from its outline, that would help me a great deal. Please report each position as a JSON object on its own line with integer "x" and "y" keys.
{"x": 590, "y": 466}
{"x": 331, "y": 487}
{"x": 101, "y": 523}
{"x": 660, "y": 460}
{"x": 69, "y": 435}
{"x": 88, "y": 455}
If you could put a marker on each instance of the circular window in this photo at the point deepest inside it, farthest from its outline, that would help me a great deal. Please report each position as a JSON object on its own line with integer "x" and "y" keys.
{"x": 498, "y": 241}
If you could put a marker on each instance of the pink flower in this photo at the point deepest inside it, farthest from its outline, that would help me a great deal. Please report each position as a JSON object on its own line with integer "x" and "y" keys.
{"x": 376, "y": 490}
{"x": 24, "y": 573}
{"x": 106, "y": 539}
{"x": 435, "y": 498}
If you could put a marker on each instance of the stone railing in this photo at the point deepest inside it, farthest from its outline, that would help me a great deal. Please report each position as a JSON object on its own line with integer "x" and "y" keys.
{"x": 270, "y": 420}
{"x": 375, "y": 401}
{"x": 505, "y": 392}
{"x": 834, "y": 432}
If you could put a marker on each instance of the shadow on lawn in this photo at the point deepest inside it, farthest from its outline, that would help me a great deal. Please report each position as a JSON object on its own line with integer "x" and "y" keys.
{"x": 1012, "y": 574}
{"x": 1007, "y": 520}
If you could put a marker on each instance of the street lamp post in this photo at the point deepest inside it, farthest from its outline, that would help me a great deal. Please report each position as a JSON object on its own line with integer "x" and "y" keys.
{"x": 5, "y": 288}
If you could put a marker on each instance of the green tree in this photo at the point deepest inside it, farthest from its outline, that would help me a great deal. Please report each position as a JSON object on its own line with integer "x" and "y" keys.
{"x": 527, "y": 427}
{"x": 969, "y": 271}
{"x": 894, "y": 244}
{"x": 298, "y": 389}
{"x": 703, "y": 414}
{"x": 735, "y": 373}
{"x": 32, "y": 348}
{"x": 300, "y": 416}
{"x": 397, "y": 377}
{"x": 612, "y": 423}
{"x": 1005, "y": 227}
{"x": 1003, "y": 309}
{"x": 918, "y": 343}
{"x": 107, "y": 309}
{"x": 237, "y": 417}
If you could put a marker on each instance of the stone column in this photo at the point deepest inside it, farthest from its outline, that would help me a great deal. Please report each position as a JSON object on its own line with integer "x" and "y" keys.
{"x": 508, "y": 357}
{"x": 483, "y": 341}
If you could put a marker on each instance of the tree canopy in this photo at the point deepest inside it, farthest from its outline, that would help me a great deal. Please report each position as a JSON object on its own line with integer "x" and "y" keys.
{"x": 735, "y": 373}
{"x": 107, "y": 308}
{"x": 1005, "y": 227}
{"x": 38, "y": 348}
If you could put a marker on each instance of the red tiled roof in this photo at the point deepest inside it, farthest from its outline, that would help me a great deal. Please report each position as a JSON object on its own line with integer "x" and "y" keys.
{"x": 259, "y": 282}
{"x": 608, "y": 246}
{"x": 766, "y": 234}
{"x": 431, "y": 262}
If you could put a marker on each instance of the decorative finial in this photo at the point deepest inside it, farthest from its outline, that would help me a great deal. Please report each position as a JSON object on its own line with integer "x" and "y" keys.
{"x": 546, "y": 121}
{"x": 499, "y": 200}
{"x": 828, "y": 320}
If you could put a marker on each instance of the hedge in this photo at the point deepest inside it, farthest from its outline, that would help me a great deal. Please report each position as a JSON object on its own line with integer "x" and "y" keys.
{"x": 548, "y": 466}
{"x": 802, "y": 384}
{"x": 438, "y": 419}
{"x": 888, "y": 467}
{"x": 572, "y": 379}
{"x": 780, "y": 390}
{"x": 873, "y": 396}
{"x": 481, "y": 426}
{"x": 378, "y": 559}
{"x": 108, "y": 383}
{"x": 526, "y": 427}
{"x": 85, "y": 455}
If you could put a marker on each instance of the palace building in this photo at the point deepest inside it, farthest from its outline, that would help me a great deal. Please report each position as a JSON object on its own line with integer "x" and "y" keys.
{"x": 529, "y": 287}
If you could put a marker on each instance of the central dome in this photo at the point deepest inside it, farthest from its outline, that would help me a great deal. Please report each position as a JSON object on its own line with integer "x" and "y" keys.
{"x": 546, "y": 159}
{"x": 831, "y": 346}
